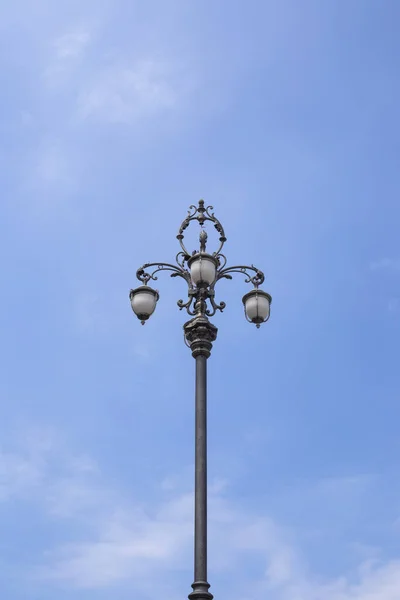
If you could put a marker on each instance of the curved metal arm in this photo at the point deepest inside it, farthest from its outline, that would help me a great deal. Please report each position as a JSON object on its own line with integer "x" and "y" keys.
{"x": 256, "y": 279}
{"x": 253, "y": 275}
{"x": 215, "y": 306}
{"x": 188, "y": 305}
{"x": 176, "y": 272}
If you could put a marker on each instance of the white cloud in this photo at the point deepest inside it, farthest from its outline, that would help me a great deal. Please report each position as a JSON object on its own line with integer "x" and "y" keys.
{"x": 130, "y": 543}
{"x": 372, "y": 582}
{"x": 23, "y": 466}
{"x": 72, "y": 44}
{"x": 75, "y": 492}
{"x": 128, "y": 540}
{"x": 17, "y": 474}
{"x": 133, "y": 544}
{"x": 344, "y": 488}
{"x": 123, "y": 94}
{"x": 38, "y": 468}
{"x": 68, "y": 54}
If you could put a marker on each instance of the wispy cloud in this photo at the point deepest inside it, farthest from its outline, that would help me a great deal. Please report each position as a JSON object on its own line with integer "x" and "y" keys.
{"x": 23, "y": 465}
{"x": 68, "y": 53}
{"x": 130, "y": 544}
{"x": 129, "y": 539}
{"x": 17, "y": 474}
{"x": 121, "y": 94}
{"x": 36, "y": 465}
{"x": 133, "y": 542}
{"x": 344, "y": 487}
{"x": 72, "y": 44}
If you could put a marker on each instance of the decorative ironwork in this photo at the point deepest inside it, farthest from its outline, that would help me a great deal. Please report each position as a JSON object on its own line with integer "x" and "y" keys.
{"x": 201, "y": 214}
{"x": 256, "y": 280}
{"x": 200, "y": 334}
{"x": 201, "y": 300}
{"x": 178, "y": 271}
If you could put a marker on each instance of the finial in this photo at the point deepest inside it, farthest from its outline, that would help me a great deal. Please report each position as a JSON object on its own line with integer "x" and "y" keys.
{"x": 203, "y": 240}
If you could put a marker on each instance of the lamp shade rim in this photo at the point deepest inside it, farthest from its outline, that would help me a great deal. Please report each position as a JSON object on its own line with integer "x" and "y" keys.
{"x": 254, "y": 292}
{"x": 145, "y": 289}
{"x": 204, "y": 255}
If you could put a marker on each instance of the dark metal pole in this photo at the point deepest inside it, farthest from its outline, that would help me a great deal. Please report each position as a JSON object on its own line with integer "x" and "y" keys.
{"x": 200, "y": 334}
{"x": 200, "y": 532}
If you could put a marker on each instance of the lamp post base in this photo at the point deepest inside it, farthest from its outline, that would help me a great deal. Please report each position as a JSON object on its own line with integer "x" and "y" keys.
{"x": 200, "y": 591}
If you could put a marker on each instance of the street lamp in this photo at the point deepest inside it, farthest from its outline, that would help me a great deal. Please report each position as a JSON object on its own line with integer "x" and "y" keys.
{"x": 201, "y": 271}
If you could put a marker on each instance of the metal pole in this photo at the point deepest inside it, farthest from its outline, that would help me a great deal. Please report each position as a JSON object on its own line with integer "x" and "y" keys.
{"x": 200, "y": 531}
{"x": 200, "y": 333}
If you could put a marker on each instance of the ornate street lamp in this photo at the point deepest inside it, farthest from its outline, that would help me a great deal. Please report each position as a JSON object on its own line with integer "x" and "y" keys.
{"x": 201, "y": 271}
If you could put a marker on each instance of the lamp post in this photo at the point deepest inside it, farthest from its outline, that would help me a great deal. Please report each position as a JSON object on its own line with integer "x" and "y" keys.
{"x": 201, "y": 271}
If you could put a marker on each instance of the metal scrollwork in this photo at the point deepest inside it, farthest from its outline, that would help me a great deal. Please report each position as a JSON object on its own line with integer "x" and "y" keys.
{"x": 211, "y": 312}
{"x": 257, "y": 279}
{"x": 188, "y": 305}
{"x": 201, "y": 300}
{"x": 222, "y": 260}
{"x": 201, "y": 214}
{"x": 145, "y": 277}
{"x": 181, "y": 259}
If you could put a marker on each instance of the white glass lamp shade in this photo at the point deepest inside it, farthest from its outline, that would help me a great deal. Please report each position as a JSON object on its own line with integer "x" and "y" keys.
{"x": 203, "y": 269}
{"x": 257, "y": 305}
{"x": 143, "y": 301}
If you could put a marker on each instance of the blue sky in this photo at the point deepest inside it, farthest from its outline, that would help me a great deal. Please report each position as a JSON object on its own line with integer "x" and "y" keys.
{"x": 115, "y": 117}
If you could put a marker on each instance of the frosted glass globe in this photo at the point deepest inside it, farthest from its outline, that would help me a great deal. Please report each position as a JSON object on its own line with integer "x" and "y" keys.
{"x": 203, "y": 269}
{"x": 257, "y": 305}
{"x": 143, "y": 302}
